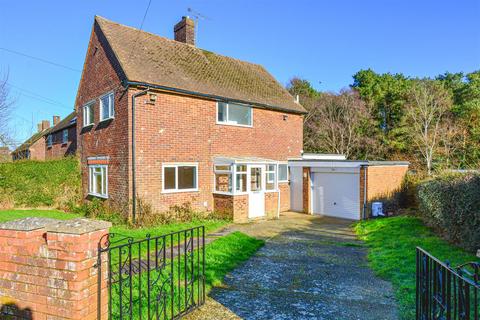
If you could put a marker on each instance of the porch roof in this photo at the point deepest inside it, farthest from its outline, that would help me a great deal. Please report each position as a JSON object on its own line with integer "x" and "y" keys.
{"x": 243, "y": 160}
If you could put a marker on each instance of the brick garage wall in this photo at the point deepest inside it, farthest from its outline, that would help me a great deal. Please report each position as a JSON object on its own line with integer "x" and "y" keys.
{"x": 59, "y": 149}
{"x": 183, "y": 129}
{"x": 47, "y": 274}
{"x": 109, "y": 138}
{"x": 384, "y": 180}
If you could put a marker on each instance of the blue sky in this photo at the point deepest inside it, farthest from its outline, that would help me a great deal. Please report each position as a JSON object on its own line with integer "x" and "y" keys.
{"x": 325, "y": 42}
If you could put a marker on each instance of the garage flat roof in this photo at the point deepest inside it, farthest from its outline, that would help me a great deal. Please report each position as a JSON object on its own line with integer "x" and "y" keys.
{"x": 343, "y": 163}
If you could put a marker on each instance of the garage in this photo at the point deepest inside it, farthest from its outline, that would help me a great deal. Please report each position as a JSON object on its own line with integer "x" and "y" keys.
{"x": 333, "y": 186}
{"x": 336, "y": 193}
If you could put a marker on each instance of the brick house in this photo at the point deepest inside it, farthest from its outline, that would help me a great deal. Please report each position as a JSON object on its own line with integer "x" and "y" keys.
{"x": 169, "y": 123}
{"x": 50, "y": 142}
{"x": 61, "y": 140}
{"x": 5, "y": 155}
{"x": 34, "y": 147}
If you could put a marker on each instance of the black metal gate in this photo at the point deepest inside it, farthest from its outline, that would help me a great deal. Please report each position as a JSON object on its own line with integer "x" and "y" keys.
{"x": 445, "y": 292}
{"x": 159, "y": 277}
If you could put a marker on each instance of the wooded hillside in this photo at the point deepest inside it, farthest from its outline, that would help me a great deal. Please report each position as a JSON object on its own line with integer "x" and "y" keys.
{"x": 432, "y": 122}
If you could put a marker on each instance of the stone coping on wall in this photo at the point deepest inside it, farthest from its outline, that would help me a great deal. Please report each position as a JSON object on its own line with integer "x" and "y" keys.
{"x": 74, "y": 226}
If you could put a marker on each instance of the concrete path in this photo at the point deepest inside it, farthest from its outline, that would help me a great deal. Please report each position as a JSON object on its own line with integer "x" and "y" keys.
{"x": 309, "y": 268}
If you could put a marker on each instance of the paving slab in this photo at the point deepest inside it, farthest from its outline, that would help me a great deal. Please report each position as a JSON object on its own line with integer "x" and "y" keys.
{"x": 309, "y": 268}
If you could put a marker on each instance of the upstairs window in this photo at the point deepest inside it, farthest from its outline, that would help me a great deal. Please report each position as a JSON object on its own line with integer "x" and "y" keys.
{"x": 234, "y": 114}
{"x": 107, "y": 109}
{"x": 88, "y": 115}
{"x": 65, "y": 136}
{"x": 49, "y": 140}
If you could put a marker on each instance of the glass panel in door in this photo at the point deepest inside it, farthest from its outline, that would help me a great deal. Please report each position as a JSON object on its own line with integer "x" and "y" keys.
{"x": 255, "y": 179}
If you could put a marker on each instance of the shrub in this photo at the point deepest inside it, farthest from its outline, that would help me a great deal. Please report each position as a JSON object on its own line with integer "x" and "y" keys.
{"x": 28, "y": 183}
{"x": 98, "y": 209}
{"x": 450, "y": 204}
{"x": 146, "y": 216}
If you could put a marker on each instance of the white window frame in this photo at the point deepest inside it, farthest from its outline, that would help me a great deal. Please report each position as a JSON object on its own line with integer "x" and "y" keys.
{"x": 111, "y": 107}
{"x": 104, "y": 175}
{"x": 49, "y": 140}
{"x": 275, "y": 177}
{"x": 278, "y": 170}
{"x": 64, "y": 136}
{"x": 87, "y": 108}
{"x": 229, "y": 123}
{"x": 229, "y": 172}
{"x": 176, "y": 165}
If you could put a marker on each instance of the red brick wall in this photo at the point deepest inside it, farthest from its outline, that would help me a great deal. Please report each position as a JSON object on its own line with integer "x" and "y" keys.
{"x": 37, "y": 150}
{"x": 59, "y": 149}
{"x": 271, "y": 204}
{"x": 50, "y": 275}
{"x": 183, "y": 129}
{"x": 108, "y": 138}
{"x": 284, "y": 196}
{"x": 174, "y": 129}
{"x": 384, "y": 180}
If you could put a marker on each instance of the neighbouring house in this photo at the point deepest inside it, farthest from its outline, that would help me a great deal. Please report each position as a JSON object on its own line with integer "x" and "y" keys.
{"x": 164, "y": 122}
{"x": 34, "y": 147}
{"x": 333, "y": 186}
{"x": 5, "y": 155}
{"x": 61, "y": 140}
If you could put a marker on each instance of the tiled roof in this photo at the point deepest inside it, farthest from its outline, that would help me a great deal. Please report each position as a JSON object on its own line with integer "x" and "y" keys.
{"x": 149, "y": 58}
{"x": 34, "y": 138}
{"x": 67, "y": 122}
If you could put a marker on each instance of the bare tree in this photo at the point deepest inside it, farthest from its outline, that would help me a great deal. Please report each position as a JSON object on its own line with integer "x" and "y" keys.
{"x": 5, "y": 108}
{"x": 427, "y": 103}
{"x": 334, "y": 123}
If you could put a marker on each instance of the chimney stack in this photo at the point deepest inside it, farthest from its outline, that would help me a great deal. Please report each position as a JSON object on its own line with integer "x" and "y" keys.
{"x": 43, "y": 125}
{"x": 56, "y": 120}
{"x": 185, "y": 31}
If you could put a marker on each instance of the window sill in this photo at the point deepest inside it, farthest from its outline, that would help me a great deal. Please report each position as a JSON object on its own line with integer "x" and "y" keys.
{"x": 107, "y": 119}
{"x": 234, "y": 124}
{"x": 88, "y": 125}
{"x": 230, "y": 193}
{"x": 179, "y": 191}
{"x": 98, "y": 195}
{"x": 283, "y": 181}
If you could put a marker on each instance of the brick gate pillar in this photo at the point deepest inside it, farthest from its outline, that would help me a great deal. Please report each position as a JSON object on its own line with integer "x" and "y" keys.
{"x": 48, "y": 269}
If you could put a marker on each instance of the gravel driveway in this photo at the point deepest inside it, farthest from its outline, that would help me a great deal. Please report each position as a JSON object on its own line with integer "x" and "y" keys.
{"x": 309, "y": 268}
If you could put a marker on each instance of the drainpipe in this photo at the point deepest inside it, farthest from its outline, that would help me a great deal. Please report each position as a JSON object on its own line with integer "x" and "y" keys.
{"x": 134, "y": 184}
{"x": 364, "y": 192}
{"x": 278, "y": 204}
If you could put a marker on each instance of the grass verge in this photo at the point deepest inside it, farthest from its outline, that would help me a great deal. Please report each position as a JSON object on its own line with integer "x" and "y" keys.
{"x": 392, "y": 243}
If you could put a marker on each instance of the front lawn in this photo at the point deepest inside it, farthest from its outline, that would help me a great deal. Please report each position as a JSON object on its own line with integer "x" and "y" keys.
{"x": 7, "y": 215}
{"x": 392, "y": 243}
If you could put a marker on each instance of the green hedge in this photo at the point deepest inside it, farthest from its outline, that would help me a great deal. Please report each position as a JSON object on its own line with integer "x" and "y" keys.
{"x": 27, "y": 183}
{"x": 451, "y": 205}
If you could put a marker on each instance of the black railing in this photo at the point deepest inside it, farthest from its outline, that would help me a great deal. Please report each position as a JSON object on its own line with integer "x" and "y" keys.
{"x": 159, "y": 277}
{"x": 445, "y": 292}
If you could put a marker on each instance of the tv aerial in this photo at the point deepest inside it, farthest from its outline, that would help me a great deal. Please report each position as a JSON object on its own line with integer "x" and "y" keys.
{"x": 197, "y": 16}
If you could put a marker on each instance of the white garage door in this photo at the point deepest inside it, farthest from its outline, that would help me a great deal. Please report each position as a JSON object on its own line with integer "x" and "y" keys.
{"x": 336, "y": 194}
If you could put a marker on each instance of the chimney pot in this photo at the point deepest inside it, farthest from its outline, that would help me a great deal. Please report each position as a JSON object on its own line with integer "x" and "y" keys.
{"x": 185, "y": 31}
{"x": 56, "y": 120}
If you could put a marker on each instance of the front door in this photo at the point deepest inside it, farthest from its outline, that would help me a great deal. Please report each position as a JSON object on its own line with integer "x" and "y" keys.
{"x": 256, "y": 192}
